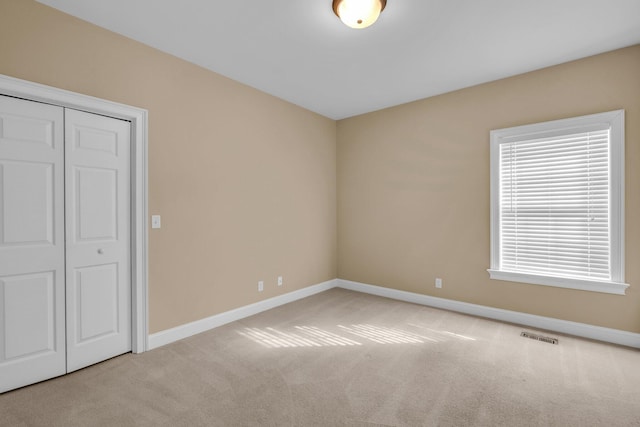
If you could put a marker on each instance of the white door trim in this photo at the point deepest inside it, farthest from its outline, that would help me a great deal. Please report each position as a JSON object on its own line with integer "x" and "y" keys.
{"x": 139, "y": 131}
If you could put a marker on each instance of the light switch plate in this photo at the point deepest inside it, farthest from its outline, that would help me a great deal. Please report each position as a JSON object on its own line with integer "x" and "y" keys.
{"x": 155, "y": 221}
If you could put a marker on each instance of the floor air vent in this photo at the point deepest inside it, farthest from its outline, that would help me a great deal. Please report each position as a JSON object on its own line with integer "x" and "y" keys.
{"x": 539, "y": 337}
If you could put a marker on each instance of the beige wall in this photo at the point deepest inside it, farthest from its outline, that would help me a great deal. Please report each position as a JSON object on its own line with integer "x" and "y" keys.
{"x": 245, "y": 182}
{"x": 413, "y": 188}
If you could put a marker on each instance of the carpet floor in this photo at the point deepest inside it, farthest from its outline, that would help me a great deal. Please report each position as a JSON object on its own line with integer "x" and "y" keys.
{"x": 342, "y": 358}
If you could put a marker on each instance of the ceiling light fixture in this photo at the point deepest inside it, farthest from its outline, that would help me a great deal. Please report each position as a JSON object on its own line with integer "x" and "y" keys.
{"x": 358, "y": 13}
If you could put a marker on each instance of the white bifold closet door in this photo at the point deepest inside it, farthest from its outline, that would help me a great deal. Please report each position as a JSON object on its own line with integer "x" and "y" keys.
{"x": 65, "y": 285}
{"x": 32, "y": 270}
{"x": 97, "y": 194}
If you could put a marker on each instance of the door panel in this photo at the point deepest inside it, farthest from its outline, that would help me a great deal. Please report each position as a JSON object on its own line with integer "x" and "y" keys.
{"x": 32, "y": 269}
{"x": 97, "y": 293}
{"x": 20, "y": 129}
{"x": 28, "y": 304}
{"x": 28, "y": 203}
{"x": 96, "y": 204}
{"x": 98, "y": 238}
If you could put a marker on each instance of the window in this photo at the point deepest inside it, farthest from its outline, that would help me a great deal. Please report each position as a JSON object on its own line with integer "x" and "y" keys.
{"x": 557, "y": 203}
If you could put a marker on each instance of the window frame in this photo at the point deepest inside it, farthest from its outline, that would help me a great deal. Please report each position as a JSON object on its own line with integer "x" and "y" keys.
{"x": 615, "y": 121}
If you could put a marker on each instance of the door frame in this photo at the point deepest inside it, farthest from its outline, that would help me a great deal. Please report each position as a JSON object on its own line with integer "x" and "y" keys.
{"x": 139, "y": 184}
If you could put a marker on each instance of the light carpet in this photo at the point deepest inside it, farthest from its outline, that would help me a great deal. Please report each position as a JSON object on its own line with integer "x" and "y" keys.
{"x": 342, "y": 358}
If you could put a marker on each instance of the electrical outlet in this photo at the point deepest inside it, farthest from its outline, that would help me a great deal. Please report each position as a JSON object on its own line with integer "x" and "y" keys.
{"x": 260, "y": 286}
{"x": 438, "y": 282}
{"x": 280, "y": 281}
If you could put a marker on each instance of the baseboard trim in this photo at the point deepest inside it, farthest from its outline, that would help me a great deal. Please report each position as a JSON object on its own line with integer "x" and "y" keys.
{"x": 183, "y": 331}
{"x": 614, "y": 336}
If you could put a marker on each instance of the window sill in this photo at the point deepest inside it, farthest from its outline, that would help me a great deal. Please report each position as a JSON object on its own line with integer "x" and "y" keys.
{"x": 560, "y": 282}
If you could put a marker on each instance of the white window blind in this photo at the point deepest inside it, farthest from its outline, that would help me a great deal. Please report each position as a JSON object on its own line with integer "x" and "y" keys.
{"x": 554, "y": 197}
{"x": 557, "y": 203}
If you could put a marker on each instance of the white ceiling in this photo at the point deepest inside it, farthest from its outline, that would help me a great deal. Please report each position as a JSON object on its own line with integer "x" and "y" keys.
{"x": 298, "y": 50}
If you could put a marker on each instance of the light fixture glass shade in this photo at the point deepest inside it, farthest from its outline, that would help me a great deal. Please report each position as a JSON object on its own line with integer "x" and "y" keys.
{"x": 358, "y": 13}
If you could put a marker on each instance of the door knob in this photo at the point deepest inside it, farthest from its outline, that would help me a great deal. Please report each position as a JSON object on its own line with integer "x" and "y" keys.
{"x": 100, "y": 251}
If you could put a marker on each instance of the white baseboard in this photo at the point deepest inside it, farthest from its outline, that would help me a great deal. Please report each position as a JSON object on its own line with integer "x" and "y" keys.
{"x": 183, "y": 331}
{"x": 614, "y": 336}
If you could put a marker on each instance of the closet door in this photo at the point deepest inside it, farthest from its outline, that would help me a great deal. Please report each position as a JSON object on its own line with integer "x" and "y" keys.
{"x": 32, "y": 269}
{"x": 98, "y": 212}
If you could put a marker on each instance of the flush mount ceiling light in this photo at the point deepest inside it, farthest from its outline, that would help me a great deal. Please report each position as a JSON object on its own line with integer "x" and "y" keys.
{"x": 358, "y": 13}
